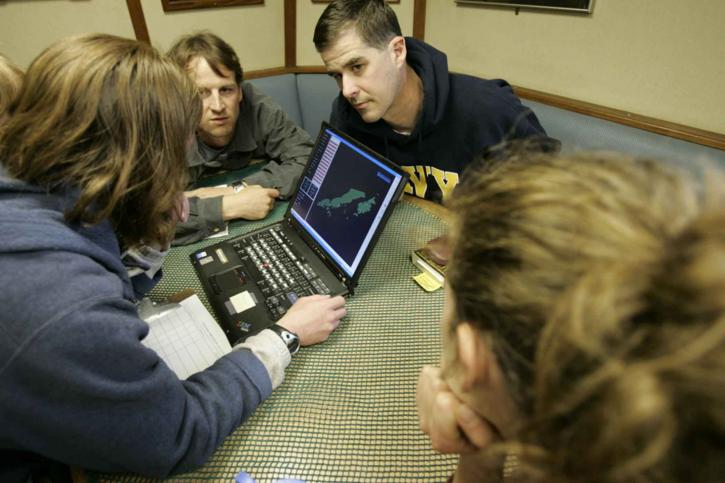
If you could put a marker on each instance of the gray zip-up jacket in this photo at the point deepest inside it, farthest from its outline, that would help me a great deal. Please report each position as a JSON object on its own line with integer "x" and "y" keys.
{"x": 263, "y": 131}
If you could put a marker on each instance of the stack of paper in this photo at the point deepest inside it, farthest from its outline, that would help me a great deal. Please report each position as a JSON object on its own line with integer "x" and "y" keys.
{"x": 187, "y": 338}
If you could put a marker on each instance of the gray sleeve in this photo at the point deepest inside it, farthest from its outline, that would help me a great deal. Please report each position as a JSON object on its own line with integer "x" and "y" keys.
{"x": 205, "y": 218}
{"x": 281, "y": 140}
{"x": 274, "y": 354}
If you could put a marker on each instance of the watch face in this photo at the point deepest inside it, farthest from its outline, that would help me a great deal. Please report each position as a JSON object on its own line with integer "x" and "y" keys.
{"x": 289, "y": 338}
{"x": 292, "y": 341}
{"x": 295, "y": 346}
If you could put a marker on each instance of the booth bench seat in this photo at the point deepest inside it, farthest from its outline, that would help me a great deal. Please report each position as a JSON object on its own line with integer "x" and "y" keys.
{"x": 307, "y": 98}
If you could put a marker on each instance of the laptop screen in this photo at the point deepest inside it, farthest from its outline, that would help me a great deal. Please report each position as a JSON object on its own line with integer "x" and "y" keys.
{"x": 343, "y": 197}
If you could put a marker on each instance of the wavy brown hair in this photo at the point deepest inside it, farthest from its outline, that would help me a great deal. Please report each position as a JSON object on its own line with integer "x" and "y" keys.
{"x": 11, "y": 79}
{"x": 110, "y": 118}
{"x": 601, "y": 279}
{"x": 210, "y": 47}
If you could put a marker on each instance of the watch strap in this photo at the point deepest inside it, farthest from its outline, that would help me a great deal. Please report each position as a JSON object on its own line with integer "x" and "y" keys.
{"x": 239, "y": 185}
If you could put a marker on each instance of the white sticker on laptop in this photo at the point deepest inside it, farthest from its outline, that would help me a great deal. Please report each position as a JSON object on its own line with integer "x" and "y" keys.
{"x": 242, "y": 301}
{"x": 221, "y": 256}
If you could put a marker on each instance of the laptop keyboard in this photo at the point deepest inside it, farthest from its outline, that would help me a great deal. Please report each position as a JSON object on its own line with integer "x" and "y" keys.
{"x": 284, "y": 276}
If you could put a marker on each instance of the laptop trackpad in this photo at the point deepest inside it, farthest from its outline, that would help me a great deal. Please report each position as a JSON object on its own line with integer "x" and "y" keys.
{"x": 232, "y": 282}
{"x": 228, "y": 281}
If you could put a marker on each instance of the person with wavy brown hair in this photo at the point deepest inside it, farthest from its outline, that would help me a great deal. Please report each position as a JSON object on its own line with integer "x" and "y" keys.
{"x": 95, "y": 161}
{"x": 584, "y": 324}
{"x": 11, "y": 78}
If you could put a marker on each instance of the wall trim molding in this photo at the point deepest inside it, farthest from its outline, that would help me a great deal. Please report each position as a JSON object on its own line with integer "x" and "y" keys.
{"x": 256, "y": 74}
{"x": 667, "y": 128}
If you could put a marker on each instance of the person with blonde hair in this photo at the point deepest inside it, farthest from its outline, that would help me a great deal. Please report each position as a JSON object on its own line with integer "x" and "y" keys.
{"x": 584, "y": 324}
{"x": 95, "y": 160}
{"x": 11, "y": 78}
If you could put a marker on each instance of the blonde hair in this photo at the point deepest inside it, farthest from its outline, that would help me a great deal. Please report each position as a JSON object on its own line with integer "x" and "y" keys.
{"x": 601, "y": 279}
{"x": 11, "y": 78}
{"x": 110, "y": 118}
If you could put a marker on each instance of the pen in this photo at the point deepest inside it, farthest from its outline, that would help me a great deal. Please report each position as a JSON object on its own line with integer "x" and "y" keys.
{"x": 149, "y": 310}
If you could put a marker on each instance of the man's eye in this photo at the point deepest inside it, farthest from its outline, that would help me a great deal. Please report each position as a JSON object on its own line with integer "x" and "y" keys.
{"x": 204, "y": 93}
{"x": 226, "y": 91}
{"x": 357, "y": 68}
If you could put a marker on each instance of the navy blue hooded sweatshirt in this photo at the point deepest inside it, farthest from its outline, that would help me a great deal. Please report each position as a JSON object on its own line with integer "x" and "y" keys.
{"x": 76, "y": 384}
{"x": 462, "y": 116}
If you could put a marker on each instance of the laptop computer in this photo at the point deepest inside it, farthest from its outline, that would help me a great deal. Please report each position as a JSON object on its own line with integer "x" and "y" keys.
{"x": 342, "y": 202}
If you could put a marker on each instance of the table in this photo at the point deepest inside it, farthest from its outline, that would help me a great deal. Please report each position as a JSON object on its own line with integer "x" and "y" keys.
{"x": 346, "y": 411}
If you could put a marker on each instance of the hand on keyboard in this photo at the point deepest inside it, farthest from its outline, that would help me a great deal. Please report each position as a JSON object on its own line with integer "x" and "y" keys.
{"x": 314, "y": 318}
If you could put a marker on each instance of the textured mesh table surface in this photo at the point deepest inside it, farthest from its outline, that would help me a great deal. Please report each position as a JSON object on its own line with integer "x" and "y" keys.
{"x": 346, "y": 411}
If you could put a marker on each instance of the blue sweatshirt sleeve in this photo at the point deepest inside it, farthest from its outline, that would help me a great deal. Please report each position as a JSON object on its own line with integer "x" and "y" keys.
{"x": 87, "y": 392}
{"x": 526, "y": 124}
{"x": 521, "y": 119}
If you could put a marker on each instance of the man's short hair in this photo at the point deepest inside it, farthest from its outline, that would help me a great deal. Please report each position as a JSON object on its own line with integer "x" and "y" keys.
{"x": 373, "y": 20}
{"x": 211, "y": 48}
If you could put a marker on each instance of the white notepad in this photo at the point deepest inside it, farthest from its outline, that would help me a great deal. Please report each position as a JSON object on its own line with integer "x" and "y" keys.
{"x": 187, "y": 338}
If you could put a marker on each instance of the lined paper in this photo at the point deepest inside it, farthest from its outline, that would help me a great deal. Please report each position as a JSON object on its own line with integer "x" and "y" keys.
{"x": 187, "y": 338}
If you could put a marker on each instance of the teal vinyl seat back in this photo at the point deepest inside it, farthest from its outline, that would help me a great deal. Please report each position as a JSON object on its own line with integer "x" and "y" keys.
{"x": 579, "y": 132}
{"x": 316, "y": 92}
{"x": 307, "y": 99}
{"x": 283, "y": 89}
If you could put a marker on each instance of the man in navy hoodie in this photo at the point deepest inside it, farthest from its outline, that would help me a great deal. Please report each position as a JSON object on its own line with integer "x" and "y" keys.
{"x": 398, "y": 97}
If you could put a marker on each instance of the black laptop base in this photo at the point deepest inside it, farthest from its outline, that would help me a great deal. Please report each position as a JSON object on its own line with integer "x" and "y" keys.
{"x": 231, "y": 275}
{"x": 342, "y": 201}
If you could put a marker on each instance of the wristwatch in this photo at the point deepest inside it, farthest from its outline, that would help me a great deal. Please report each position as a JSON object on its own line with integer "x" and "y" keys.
{"x": 291, "y": 340}
{"x": 239, "y": 185}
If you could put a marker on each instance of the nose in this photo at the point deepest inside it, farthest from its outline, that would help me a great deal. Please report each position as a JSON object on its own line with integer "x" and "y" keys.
{"x": 349, "y": 87}
{"x": 215, "y": 101}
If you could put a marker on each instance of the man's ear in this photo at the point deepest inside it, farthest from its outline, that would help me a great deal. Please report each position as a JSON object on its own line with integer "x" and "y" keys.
{"x": 398, "y": 50}
{"x": 474, "y": 355}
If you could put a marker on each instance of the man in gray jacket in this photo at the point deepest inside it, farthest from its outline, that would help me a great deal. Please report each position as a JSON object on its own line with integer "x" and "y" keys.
{"x": 239, "y": 124}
